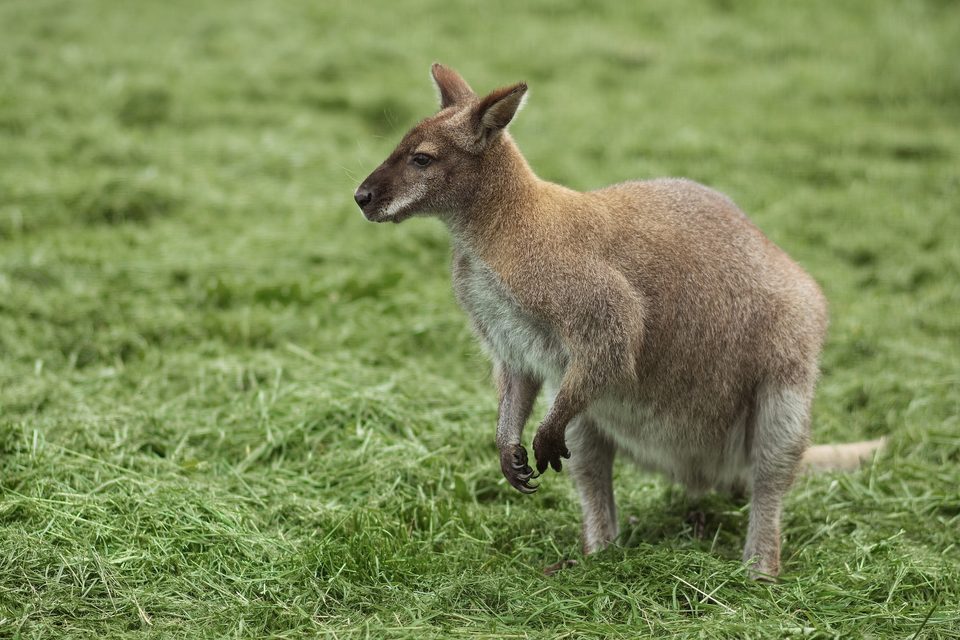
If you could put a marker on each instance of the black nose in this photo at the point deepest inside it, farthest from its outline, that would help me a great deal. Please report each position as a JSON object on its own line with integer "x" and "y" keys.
{"x": 363, "y": 196}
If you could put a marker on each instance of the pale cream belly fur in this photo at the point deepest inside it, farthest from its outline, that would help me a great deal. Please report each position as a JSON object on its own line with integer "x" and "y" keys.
{"x": 675, "y": 446}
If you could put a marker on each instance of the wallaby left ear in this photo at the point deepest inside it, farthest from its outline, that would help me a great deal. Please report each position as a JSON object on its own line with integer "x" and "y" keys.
{"x": 494, "y": 112}
{"x": 451, "y": 85}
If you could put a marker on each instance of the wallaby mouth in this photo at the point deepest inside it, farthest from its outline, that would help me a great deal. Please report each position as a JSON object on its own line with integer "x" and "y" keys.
{"x": 384, "y": 215}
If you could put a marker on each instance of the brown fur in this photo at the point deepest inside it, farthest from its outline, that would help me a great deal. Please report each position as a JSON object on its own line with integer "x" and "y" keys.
{"x": 663, "y": 323}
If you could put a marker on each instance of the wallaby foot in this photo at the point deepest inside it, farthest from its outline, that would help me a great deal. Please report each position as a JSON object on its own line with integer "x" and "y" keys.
{"x": 761, "y": 554}
{"x": 697, "y": 520}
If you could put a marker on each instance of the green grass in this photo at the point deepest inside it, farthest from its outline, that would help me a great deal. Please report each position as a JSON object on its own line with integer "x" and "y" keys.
{"x": 229, "y": 407}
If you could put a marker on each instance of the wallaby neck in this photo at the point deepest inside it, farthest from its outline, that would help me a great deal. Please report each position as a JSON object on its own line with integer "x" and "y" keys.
{"x": 507, "y": 190}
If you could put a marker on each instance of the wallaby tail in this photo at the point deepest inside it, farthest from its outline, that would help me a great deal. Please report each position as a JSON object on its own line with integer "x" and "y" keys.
{"x": 839, "y": 457}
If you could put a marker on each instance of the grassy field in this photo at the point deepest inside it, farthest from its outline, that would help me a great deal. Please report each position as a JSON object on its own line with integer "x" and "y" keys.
{"x": 230, "y": 407}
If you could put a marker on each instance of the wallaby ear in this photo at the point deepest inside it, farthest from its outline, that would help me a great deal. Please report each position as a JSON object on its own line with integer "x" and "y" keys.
{"x": 453, "y": 88}
{"x": 494, "y": 112}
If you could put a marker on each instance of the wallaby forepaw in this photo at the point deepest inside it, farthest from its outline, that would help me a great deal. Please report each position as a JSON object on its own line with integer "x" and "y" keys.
{"x": 549, "y": 447}
{"x": 516, "y": 469}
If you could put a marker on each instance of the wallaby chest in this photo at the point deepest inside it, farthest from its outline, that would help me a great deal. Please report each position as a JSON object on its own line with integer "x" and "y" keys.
{"x": 512, "y": 333}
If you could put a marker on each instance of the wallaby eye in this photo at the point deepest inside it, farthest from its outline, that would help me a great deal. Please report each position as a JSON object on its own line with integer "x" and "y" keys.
{"x": 421, "y": 159}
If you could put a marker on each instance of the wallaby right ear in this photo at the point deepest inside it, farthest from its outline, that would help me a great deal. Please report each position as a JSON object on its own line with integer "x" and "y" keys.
{"x": 494, "y": 112}
{"x": 453, "y": 88}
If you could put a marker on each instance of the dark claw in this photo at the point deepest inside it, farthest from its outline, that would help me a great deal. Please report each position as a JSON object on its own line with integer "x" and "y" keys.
{"x": 526, "y": 488}
{"x": 513, "y": 463}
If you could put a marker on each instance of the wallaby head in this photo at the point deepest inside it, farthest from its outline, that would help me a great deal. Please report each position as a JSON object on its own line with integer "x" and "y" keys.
{"x": 441, "y": 163}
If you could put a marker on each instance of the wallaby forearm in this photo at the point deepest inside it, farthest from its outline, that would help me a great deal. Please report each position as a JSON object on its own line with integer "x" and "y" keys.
{"x": 518, "y": 393}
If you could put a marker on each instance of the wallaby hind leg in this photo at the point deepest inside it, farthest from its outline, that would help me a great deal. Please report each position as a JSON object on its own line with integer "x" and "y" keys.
{"x": 780, "y": 436}
{"x": 591, "y": 467}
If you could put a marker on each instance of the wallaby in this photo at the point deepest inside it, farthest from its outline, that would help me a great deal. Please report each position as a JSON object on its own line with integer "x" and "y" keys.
{"x": 660, "y": 320}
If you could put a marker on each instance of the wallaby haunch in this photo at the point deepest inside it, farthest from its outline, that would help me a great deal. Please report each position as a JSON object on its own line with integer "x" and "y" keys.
{"x": 660, "y": 320}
